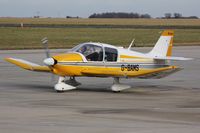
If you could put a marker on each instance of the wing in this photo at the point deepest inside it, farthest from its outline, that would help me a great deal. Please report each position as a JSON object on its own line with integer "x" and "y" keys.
{"x": 161, "y": 74}
{"x": 28, "y": 65}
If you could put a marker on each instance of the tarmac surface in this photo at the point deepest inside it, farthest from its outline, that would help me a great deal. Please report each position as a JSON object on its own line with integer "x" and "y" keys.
{"x": 29, "y": 104}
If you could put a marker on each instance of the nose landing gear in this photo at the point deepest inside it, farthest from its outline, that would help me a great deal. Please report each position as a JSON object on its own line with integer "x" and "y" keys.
{"x": 66, "y": 85}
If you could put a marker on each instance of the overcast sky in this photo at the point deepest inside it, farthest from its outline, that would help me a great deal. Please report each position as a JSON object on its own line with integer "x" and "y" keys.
{"x": 84, "y": 8}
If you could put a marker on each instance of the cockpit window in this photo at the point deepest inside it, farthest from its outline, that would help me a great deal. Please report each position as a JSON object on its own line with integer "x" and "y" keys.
{"x": 91, "y": 52}
{"x": 110, "y": 54}
{"x": 75, "y": 48}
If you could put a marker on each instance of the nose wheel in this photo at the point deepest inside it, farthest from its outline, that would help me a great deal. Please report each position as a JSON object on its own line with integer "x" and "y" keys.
{"x": 66, "y": 85}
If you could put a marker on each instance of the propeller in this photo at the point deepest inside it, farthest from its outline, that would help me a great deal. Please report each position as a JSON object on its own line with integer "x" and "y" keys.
{"x": 48, "y": 61}
{"x": 45, "y": 44}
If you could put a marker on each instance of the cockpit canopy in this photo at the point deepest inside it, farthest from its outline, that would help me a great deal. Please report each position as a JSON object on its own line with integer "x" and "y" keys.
{"x": 95, "y": 52}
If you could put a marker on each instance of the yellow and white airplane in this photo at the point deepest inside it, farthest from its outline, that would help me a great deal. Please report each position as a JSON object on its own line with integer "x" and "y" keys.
{"x": 104, "y": 60}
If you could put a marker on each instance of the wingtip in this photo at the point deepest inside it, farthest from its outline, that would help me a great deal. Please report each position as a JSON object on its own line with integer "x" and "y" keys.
{"x": 7, "y": 59}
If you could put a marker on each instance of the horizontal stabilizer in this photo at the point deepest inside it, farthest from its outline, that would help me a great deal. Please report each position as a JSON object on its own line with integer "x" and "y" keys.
{"x": 28, "y": 65}
{"x": 171, "y": 58}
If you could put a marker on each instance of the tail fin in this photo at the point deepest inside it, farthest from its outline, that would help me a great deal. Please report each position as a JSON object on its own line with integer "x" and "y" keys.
{"x": 164, "y": 45}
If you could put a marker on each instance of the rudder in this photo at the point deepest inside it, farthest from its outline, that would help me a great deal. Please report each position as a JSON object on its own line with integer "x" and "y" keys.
{"x": 164, "y": 45}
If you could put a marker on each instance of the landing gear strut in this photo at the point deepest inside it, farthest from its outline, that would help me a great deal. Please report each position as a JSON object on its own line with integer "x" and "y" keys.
{"x": 66, "y": 85}
{"x": 117, "y": 87}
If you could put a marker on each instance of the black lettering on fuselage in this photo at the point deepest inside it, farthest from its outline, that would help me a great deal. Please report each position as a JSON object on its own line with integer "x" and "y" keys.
{"x": 130, "y": 67}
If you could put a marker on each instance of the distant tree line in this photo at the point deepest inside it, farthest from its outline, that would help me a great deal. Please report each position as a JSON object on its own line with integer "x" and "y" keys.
{"x": 137, "y": 15}
{"x": 178, "y": 16}
{"x": 119, "y": 15}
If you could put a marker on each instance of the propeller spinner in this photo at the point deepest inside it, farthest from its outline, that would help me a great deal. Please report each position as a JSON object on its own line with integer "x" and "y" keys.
{"x": 50, "y": 61}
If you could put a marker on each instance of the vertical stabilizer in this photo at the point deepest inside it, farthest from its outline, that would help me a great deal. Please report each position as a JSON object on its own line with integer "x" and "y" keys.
{"x": 164, "y": 45}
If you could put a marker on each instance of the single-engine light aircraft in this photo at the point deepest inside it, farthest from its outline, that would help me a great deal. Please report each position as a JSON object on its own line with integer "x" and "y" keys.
{"x": 103, "y": 60}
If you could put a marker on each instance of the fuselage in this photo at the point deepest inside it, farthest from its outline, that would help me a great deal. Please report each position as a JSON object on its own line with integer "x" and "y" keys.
{"x": 104, "y": 60}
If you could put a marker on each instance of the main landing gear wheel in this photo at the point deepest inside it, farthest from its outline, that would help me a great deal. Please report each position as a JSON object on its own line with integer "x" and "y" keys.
{"x": 117, "y": 87}
{"x": 66, "y": 85}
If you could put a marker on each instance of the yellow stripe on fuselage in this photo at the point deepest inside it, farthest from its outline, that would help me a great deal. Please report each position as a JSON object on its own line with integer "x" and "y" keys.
{"x": 130, "y": 57}
{"x": 127, "y": 58}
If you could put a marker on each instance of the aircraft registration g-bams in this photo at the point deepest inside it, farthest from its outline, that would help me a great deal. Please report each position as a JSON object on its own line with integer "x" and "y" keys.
{"x": 104, "y": 60}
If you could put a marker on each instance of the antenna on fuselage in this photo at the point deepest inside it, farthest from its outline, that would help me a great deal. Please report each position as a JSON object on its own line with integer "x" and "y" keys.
{"x": 129, "y": 48}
